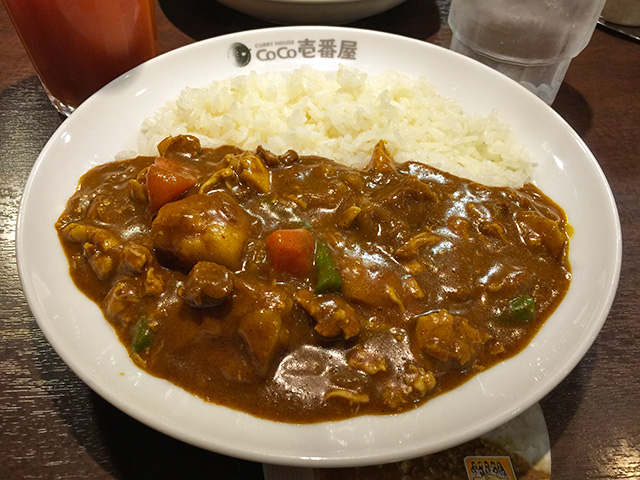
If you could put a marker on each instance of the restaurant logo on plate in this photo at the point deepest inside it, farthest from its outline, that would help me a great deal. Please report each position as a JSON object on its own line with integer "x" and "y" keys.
{"x": 290, "y": 49}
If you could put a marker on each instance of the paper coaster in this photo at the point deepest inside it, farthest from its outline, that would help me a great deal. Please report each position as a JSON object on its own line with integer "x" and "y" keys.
{"x": 518, "y": 450}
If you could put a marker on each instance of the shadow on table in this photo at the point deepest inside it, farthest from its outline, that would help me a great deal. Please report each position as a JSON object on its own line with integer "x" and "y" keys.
{"x": 564, "y": 400}
{"x": 573, "y": 107}
{"x": 202, "y": 19}
{"x": 137, "y": 451}
{"x": 122, "y": 446}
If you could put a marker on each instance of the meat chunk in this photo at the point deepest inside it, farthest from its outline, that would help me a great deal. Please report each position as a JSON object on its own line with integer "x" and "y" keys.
{"x": 538, "y": 231}
{"x": 366, "y": 360}
{"x": 153, "y": 282}
{"x": 447, "y": 337}
{"x": 98, "y": 246}
{"x": 361, "y": 276}
{"x": 180, "y": 146}
{"x": 263, "y": 325}
{"x": 411, "y": 248}
{"x": 414, "y": 382}
{"x": 244, "y": 167}
{"x": 78, "y": 233}
{"x": 201, "y": 227}
{"x": 121, "y": 301}
{"x": 333, "y": 315}
{"x": 253, "y": 172}
{"x": 134, "y": 257}
{"x": 260, "y": 330}
{"x": 381, "y": 160}
{"x": 101, "y": 262}
{"x": 208, "y": 285}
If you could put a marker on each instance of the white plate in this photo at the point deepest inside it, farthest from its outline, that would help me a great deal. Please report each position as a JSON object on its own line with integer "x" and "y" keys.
{"x": 109, "y": 122}
{"x": 331, "y": 12}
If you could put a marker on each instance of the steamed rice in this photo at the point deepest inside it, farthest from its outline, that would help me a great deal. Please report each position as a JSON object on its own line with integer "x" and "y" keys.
{"x": 341, "y": 115}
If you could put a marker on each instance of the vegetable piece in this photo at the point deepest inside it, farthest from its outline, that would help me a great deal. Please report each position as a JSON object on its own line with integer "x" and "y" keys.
{"x": 142, "y": 337}
{"x": 522, "y": 309}
{"x": 166, "y": 181}
{"x": 328, "y": 277}
{"x": 199, "y": 227}
{"x": 291, "y": 251}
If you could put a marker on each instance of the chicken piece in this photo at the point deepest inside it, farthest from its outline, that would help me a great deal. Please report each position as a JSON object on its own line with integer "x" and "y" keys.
{"x": 208, "y": 285}
{"x": 180, "y": 146}
{"x": 101, "y": 263}
{"x": 377, "y": 223}
{"x": 79, "y": 233}
{"x": 360, "y": 277}
{"x": 411, "y": 248}
{"x": 246, "y": 167}
{"x": 367, "y": 361}
{"x": 538, "y": 231}
{"x": 414, "y": 382}
{"x": 348, "y": 216}
{"x": 272, "y": 160}
{"x": 394, "y": 209}
{"x": 333, "y": 315}
{"x": 381, "y": 160}
{"x": 420, "y": 380}
{"x": 252, "y": 172}
{"x": 447, "y": 337}
{"x": 201, "y": 227}
{"x": 395, "y": 393}
{"x": 98, "y": 246}
{"x": 135, "y": 257}
{"x": 263, "y": 326}
{"x": 153, "y": 282}
{"x": 121, "y": 301}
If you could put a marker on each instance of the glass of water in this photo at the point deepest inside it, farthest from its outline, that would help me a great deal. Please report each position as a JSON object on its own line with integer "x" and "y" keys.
{"x": 530, "y": 41}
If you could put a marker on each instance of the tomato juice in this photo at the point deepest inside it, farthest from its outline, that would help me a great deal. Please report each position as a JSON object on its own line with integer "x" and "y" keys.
{"x": 78, "y": 46}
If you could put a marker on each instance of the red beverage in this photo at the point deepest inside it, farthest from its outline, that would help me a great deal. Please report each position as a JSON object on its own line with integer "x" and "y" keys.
{"x": 78, "y": 46}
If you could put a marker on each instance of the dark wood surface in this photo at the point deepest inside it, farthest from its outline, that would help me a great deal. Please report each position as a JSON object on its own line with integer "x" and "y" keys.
{"x": 53, "y": 426}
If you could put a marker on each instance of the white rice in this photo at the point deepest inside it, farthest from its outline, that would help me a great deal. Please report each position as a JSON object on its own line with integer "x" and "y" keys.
{"x": 342, "y": 115}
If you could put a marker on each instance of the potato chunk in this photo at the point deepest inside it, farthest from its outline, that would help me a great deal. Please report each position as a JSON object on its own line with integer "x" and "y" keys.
{"x": 263, "y": 326}
{"x": 260, "y": 331}
{"x": 212, "y": 228}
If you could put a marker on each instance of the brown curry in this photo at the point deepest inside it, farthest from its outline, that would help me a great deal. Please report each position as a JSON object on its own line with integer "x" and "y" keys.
{"x": 302, "y": 290}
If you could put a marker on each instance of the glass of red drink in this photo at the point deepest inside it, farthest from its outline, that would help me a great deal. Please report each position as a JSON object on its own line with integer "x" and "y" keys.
{"x": 78, "y": 46}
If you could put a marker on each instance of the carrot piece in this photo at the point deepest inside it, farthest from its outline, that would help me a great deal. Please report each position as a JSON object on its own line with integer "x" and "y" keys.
{"x": 291, "y": 251}
{"x": 166, "y": 181}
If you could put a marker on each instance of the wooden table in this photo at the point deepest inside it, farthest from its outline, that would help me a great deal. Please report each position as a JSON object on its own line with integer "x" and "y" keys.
{"x": 53, "y": 426}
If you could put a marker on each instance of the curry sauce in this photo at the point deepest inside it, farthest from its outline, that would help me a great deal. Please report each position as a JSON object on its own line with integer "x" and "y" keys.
{"x": 301, "y": 290}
